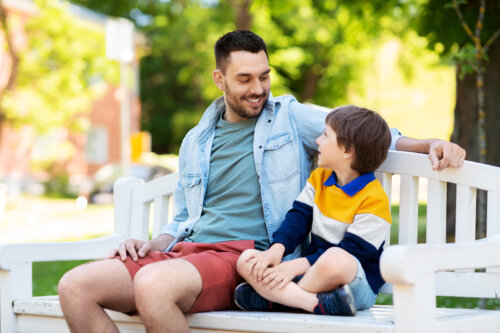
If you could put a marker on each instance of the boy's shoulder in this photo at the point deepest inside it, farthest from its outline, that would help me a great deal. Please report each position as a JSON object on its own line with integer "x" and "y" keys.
{"x": 375, "y": 201}
{"x": 319, "y": 176}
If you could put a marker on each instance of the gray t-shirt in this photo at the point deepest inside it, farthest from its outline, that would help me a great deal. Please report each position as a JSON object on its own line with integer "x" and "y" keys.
{"x": 232, "y": 209}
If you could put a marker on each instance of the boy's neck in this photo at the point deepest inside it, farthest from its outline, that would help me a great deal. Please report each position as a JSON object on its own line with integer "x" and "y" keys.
{"x": 345, "y": 175}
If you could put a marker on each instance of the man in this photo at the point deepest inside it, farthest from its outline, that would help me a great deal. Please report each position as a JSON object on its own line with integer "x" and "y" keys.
{"x": 240, "y": 169}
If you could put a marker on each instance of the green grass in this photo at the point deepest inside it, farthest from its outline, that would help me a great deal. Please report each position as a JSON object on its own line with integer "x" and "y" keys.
{"x": 46, "y": 275}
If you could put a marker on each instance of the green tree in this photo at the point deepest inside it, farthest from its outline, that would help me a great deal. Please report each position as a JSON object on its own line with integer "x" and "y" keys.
{"x": 317, "y": 50}
{"x": 477, "y": 58}
{"x": 62, "y": 68}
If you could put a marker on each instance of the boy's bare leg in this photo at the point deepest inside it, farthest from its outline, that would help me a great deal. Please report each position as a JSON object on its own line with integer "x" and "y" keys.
{"x": 86, "y": 289}
{"x": 164, "y": 291}
{"x": 334, "y": 268}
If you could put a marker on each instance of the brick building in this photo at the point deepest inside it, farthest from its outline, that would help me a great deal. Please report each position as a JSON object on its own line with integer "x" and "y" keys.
{"x": 91, "y": 150}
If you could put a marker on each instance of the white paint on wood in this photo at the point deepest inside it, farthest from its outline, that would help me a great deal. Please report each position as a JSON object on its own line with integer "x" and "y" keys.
{"x": 408, "y": 210}
{"x": 436, "y": 212}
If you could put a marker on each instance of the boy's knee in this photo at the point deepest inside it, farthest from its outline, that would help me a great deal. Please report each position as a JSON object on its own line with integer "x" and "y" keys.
{"x": 338, "y": 263}
{"x": 242, "y": 264}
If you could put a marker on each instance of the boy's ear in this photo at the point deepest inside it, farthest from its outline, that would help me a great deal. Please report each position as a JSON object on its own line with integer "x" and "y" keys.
{"x": 218, "y": 78}
{"x": 348, "y": 153}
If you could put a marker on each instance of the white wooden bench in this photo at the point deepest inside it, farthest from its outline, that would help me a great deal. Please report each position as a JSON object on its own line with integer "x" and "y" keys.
{"x": 415, "y": 274}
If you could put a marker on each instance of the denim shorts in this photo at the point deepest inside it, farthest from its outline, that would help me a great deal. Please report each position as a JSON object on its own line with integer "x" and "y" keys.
{"x": 363, "y": 293}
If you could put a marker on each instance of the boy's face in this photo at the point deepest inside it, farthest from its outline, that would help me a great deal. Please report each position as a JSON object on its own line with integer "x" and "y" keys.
{"x": 245, "y": 83}
{"x": 331, "y": 155}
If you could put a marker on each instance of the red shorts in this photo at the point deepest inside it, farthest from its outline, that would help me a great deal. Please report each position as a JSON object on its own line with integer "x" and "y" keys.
{"x": 216, "y": 263}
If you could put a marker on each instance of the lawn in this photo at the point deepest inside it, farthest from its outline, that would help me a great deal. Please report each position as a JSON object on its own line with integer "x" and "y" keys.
{"x": 47, "y": 274}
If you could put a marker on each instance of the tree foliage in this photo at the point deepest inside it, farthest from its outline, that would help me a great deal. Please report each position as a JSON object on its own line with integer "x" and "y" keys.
{"x": 317, "y": 50}
{"x": 62, "y": 68}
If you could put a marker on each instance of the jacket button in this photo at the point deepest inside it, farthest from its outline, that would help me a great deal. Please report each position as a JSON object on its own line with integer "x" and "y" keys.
{"x": 260, "y": 147}
{"x": 269, "y": 121}
{"x": 186, "y": 230}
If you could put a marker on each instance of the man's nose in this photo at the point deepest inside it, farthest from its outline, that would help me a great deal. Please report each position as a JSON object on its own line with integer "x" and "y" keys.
{"x": 256, "y": 87}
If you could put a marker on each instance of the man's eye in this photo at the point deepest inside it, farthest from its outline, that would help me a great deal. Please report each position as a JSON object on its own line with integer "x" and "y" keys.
{"x": 263, "y": 78}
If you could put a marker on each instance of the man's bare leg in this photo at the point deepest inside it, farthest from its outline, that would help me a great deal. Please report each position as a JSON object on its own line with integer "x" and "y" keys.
{"x": 86, "y": 289}
{"x": 164, "y": 291}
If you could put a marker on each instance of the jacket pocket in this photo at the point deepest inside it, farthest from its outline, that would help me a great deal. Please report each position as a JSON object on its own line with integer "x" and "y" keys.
{"x": 281, "y": 158}
{"x": 191, "y": 185}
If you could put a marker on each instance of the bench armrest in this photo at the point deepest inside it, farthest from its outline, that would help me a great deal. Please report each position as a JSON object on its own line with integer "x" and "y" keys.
{"x": 403, "y": 264}
{"x": 57, "y": 251}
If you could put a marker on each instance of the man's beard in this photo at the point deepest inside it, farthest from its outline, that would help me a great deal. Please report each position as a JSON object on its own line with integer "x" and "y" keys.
{"x": 239, "y": 109}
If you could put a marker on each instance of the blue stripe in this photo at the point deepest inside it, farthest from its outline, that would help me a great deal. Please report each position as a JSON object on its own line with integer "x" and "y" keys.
{"x": 354, "y": 186}
{"x": 295, "y": 227}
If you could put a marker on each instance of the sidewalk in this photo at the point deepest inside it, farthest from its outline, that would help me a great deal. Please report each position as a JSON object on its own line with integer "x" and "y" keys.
{"x": 36, "y": 219}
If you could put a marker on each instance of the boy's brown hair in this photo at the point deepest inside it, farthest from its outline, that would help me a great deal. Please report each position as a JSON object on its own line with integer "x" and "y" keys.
{"x": 363, "y": 131}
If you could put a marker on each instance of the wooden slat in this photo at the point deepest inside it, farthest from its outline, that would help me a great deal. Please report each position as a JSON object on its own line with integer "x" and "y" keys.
{"x": 493, "y": 220}
{"x": 481, "y": 176}
{"x": 408, "y": 210}
{"x": 140, "y": 215}
{"x": 436, "y": 212}
{"x": 386, "y": 181}
{"x": 465, "y": 214}
{"x": 161, "y": 214}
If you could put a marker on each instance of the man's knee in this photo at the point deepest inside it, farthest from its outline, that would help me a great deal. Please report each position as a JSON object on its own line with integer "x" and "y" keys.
{"x": 72, "y": 282}
{"x": 172, "y": 280}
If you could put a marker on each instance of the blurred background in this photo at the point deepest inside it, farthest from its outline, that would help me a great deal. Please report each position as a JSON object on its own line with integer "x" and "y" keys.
{"x": 92, "y": 89}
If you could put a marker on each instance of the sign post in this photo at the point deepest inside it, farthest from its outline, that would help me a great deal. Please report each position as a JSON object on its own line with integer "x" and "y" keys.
{"x": 120, "y": 47}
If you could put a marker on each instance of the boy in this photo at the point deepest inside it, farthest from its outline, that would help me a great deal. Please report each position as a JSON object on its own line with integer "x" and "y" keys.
{"x": 348, "y": 214}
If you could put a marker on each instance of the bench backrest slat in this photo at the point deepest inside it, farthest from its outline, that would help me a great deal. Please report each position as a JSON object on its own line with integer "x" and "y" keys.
{"x": 408, "y": 210}
{"x": 436, "y": 212}
{"x": 465, "y": 214}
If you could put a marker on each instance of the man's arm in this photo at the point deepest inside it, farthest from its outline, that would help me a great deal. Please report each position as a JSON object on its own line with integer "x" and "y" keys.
{"x": 442, "y": 154}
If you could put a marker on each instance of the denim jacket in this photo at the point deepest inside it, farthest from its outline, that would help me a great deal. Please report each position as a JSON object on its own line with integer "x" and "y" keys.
{"x": 284, "y": 148}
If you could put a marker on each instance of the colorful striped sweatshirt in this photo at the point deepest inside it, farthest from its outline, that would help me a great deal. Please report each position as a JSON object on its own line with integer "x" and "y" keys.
{"x": 355, "y": 217}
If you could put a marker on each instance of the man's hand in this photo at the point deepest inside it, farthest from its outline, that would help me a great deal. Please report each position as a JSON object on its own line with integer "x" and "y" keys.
{"x": 136, "y": 248}
{"x": 444, "y": 154}
{"x": 260, "y": 261}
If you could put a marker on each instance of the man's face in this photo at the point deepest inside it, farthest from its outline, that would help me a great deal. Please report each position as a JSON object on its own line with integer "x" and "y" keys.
{"x": 246, "y": 84}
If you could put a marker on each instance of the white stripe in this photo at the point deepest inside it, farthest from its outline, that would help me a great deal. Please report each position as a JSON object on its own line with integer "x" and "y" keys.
{"x": 371, "y": 228}
{"x": 307, "y": 195}
{"x": 327, "y": 228}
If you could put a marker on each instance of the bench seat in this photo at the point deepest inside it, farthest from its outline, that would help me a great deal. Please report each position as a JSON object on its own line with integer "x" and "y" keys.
{"x": 44, "y": 315}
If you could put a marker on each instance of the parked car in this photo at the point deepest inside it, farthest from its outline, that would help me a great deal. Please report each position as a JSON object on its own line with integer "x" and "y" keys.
{"x": 102, "y": 187}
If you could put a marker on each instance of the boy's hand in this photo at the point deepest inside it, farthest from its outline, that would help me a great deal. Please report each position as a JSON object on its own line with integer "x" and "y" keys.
{"x": 265, "y": 259}
{"x": 285, "y": 272}
{"x": 279, "y": 275}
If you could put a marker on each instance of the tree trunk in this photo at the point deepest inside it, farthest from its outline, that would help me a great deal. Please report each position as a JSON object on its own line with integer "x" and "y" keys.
{"x": 465, "y": 126}
{"x": 243, "y": 17}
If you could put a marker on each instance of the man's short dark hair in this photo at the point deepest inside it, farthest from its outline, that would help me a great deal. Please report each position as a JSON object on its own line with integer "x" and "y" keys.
{"x": 239, "y": 40}
{"x": 363, "y": 130}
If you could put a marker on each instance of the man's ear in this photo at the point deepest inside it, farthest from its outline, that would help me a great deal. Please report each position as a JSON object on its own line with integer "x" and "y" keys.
{"x": 218, "y": 78}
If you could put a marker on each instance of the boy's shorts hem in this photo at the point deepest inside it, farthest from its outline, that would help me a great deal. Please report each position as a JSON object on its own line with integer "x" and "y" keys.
{"x": 363, "y": 294}
{"x": 216, "y": 264}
